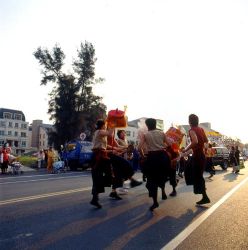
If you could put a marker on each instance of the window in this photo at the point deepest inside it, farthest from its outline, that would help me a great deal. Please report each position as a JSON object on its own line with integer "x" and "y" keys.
{"x": 16, "y": 133}
{"x": 2, "y": 124}
{"x": 10, "y": 125}
{"x": 24, "y": 126}
{"x": 16, "y": 125}
{"x": 1, "y": 132}
{"x": 128, "y": 133}
{"x": 7, "y": 115}
{"x": 9, "y": 132}
{"x": 23, "y": 134}
{"x": 23, "y": 144}
{"x": 1, "y": 143}
{"x": 17, "y": 116}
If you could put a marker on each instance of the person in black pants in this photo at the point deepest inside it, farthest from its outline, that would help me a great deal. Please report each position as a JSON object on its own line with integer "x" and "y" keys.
{"x": 198, "y": 138}
{"x": 158, "y": 163}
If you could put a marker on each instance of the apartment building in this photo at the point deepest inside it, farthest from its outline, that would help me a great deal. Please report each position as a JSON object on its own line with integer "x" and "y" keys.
{"x": 135, "y": 126}
{"x": 13, "y": 130}
{"x": 40, "y": 134}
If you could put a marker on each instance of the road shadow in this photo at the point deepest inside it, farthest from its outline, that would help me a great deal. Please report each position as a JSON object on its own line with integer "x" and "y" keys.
{"x": 230, "y": 177}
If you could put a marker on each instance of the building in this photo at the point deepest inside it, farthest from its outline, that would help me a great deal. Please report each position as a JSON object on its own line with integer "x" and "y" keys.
{"x": 14, "y": 130}
{"x": 212, "y": 135}
{"x": 136, "y": 126}
{"x": 40, "y": 134}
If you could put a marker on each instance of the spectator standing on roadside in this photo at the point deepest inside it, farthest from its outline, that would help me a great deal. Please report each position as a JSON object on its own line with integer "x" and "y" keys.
{"x": 4, "y": 159}
{"x": 198, "y": 139}
{"x": 40, "y": 158}
{"x": 45, "y": 157}
{"x": 50, "y": 159}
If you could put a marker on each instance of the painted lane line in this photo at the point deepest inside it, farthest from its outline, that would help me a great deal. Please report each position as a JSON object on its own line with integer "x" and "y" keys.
{"x": 36, "y": 197}
{"x": 56, "y": 178}
{"x": 188, "y": 230}
{"x": 36, "y": 175}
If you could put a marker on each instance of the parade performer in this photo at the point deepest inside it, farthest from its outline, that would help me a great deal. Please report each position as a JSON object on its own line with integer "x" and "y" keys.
{"x": 100, "y": 168}
{"x": 157, "y": 164}
{"x": 198, "y": 139}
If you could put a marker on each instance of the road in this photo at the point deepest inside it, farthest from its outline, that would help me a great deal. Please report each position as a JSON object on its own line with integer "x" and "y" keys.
{"x": 41, "y": 211}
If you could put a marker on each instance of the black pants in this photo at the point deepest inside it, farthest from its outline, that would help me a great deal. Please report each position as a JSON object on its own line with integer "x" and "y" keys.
{"x": 101, "y": 173}
{"x": 199, "y": 162}
{"x": 157, "y": 171}
{"x": 122, "y": 170}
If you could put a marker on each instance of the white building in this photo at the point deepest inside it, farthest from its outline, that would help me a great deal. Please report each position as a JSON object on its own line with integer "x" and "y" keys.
{"x": 135, "y": 126}
{"x": 14, "y": 130}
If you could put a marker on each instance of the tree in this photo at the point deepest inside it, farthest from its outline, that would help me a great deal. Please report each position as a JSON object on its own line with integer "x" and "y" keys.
{"x": 72, "y": 105}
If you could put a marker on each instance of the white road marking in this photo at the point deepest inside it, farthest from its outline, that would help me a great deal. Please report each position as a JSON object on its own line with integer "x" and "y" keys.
{"x": 188, "y": 230}
{"x": 36, "y": 197}
{"x": 47, "y": 179}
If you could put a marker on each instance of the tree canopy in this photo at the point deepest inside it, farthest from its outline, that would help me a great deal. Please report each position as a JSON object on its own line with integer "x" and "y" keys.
{"x": 72, "y": 105}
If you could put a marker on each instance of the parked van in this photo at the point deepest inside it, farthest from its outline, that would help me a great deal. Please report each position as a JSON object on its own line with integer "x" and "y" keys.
{"x": 78, "y": 154}
{"x": 221, "y": 157}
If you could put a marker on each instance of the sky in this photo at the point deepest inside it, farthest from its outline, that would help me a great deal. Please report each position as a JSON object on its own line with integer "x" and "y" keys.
{"x": 161, "y": 58}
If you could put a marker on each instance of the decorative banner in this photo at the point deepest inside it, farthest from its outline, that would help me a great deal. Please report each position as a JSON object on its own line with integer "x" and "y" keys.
{"x": 212, "y": 133}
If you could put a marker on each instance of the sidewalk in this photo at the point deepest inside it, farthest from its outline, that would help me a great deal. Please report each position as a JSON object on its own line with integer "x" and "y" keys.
{"x": 28, "y": 169}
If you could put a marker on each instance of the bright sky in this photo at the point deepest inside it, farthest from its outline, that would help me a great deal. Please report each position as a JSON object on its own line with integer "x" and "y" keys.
{"x": 162, "y": 58}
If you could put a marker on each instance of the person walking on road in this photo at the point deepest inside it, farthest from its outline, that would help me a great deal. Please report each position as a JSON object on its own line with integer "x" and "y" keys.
{"x": 101, "y": 166}
{"x": 233, "y": 160}
{"x": 198, "y": 139}
{"x": 237, "y": 155}
{"x": 158, "y": 163}
{"x": 209, "y": 153}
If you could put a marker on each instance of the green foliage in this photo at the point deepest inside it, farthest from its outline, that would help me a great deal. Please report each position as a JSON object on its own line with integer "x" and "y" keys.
{"x": 28, "y": 161}
{"x": 72, "y": 105}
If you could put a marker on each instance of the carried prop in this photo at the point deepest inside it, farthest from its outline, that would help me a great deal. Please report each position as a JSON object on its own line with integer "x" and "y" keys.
{"x": 116, "y": 119}
{"x": 175, "y": 137}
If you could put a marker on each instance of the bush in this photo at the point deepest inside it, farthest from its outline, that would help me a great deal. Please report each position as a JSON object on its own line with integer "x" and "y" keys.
{"x": 28, "y": 161}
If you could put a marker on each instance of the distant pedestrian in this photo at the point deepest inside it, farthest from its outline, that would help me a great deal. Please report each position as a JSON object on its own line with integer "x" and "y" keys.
{"x": 198, "y": 139}
{"x": 181, "y": 164}
{"x": 40, "y": 158}
{"x": 50, "y": 159}
{"x": 233, "y": 160}
{"x": 4, "y": 159}
{"x": 209, "y": 153}
{"x": 237, "y": 155}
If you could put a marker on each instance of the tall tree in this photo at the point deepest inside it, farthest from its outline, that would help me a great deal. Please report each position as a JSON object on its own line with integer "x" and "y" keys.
{"x": 72, "y": 105}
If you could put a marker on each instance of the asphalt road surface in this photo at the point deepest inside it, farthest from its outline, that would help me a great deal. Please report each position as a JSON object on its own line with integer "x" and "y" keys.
{"x": 52, "y": 211}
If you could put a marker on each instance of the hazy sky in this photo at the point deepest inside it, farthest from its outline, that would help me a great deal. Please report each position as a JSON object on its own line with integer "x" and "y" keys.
{"x": 163, "y": 59}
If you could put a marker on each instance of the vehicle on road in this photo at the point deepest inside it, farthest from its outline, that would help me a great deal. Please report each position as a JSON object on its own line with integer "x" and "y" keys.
{"x": 78, "y": 154}
{"x": 221, "y": 157}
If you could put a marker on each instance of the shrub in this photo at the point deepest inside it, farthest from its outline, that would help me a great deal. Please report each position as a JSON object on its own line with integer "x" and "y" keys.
{"x": 28, "y": 161}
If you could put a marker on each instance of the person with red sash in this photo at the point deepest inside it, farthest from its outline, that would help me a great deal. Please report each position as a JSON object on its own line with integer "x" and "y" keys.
{"x": 198, "y": 139}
